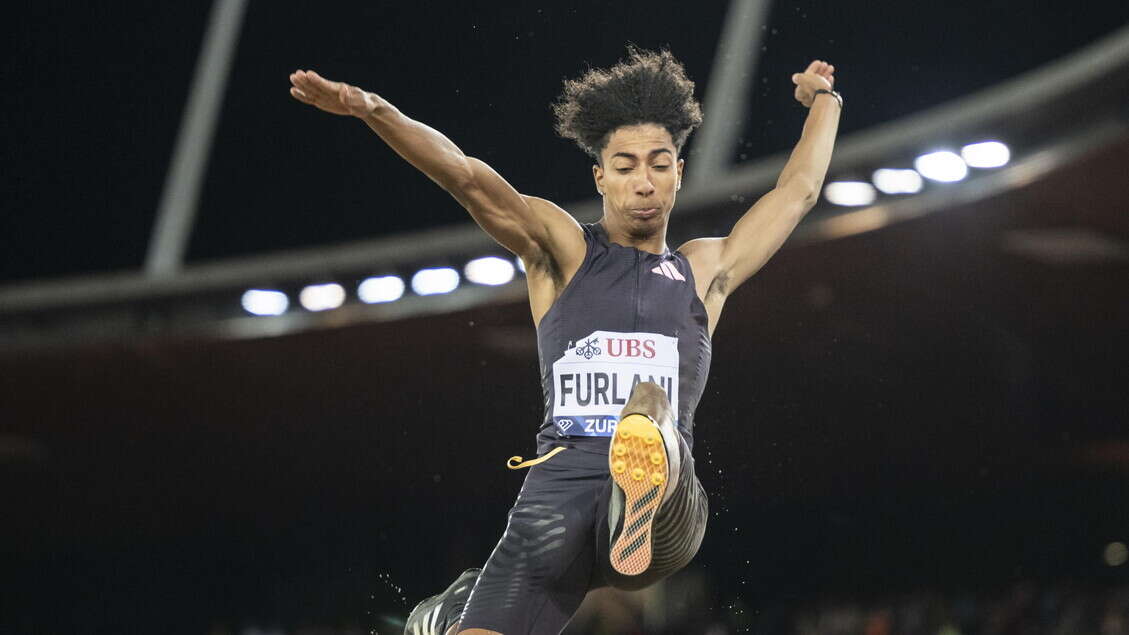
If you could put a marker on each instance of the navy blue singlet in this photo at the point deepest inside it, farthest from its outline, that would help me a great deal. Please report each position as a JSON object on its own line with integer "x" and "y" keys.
{"x": 626, "y": 316}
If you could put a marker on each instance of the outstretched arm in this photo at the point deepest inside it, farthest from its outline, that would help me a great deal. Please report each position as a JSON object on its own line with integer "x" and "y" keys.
{"x": 529, "y": 227}
{"x": 722, "y": 264}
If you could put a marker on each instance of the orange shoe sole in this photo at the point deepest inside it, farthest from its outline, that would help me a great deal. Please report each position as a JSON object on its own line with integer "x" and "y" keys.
{"x": 637, "y": 461}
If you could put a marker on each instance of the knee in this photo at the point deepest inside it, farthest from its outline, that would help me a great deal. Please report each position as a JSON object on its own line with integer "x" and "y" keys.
{"x": 650, "y": 399}
{"x": 648, "y": 390}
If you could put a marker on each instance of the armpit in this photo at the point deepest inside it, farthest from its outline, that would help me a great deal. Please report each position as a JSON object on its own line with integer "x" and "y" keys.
{"x": 542, "y": 262}
{"x": 719, "y": 286}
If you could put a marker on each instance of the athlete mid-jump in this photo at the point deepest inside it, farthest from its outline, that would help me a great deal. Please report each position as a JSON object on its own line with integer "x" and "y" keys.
{"x": 623, "y": 331}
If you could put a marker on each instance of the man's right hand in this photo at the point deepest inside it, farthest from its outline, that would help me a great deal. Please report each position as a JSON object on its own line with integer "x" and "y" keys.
{"x": 338, "y": 98}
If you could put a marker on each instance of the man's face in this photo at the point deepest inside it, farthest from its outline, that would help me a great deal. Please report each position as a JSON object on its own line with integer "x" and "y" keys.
{"x": 640, "y": 175}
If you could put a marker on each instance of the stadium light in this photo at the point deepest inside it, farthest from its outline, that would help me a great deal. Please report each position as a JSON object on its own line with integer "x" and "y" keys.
{"x": 987, "y": 154}
{"x": 490, "y": 270}
{"x": 265, "y": 302}
{"x": 897, "y": 181}
{"x": 943, "y": 166}
{"x": 322, "y": 297}
{"x": 435, "y": 281}
{"x": 850, "y": 193}
{"x": 380, "y": 289}
{"x": 1116, "y": 554}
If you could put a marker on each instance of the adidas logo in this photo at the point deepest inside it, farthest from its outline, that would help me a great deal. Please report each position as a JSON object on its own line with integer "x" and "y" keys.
{"x": 667, "y": 269}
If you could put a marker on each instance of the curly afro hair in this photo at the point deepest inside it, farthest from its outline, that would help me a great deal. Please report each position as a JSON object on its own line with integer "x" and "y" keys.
{"x": 647, "y": 87}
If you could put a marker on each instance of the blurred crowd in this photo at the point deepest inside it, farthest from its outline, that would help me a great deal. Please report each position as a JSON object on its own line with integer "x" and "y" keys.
{"x": 1025, "y": 609}
{"x": 1022, "y": 609}
{"x": 675, "y": 608}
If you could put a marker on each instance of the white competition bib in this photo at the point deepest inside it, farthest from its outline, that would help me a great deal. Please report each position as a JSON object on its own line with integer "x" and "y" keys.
{"x": 593, "y": 379}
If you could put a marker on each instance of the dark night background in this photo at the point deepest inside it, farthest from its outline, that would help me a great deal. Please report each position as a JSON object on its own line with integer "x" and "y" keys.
{"x": 906, "y": 411}
{"x": 96, "y": 93}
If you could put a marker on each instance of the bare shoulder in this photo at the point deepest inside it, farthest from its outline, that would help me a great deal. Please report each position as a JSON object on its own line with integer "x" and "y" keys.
{"x": 710, "y": 280}
{"x": 551, "y": 264}
{"x": 701, "y": 247}
{"x": 554, "y": 214}
{"x": 704, "y": 255}
{"x": 564, "y": 236}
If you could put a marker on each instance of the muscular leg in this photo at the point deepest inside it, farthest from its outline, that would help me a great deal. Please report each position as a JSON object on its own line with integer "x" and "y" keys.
{"x": 541, "y": 568}
{"x": 649, "y": 399}
{"x": 560, "y": 501}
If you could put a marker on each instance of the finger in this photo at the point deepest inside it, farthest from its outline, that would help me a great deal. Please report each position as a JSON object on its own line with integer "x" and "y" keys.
{"x": 812, "y": 67}
{"x": 321, "y": 81}
{"x": 300, "y": 96}
{"x": 303, "y": 81}
{"x": 310, "y": 80}
{"x": 313, "y": 87}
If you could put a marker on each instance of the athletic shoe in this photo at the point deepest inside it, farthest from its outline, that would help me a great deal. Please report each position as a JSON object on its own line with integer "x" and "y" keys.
{"x": 438, "y": 613}
{"x": 643, "y": 459}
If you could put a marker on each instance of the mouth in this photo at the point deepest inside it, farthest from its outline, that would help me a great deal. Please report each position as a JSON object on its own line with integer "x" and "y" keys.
{"x": 645, "y": 212}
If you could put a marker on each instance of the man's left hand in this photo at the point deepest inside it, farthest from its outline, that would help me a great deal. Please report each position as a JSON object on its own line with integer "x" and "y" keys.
{"x": 819, "y": 74}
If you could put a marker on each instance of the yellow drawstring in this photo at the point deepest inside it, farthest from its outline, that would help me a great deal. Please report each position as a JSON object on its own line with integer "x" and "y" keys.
{"x": 519, "y": 464}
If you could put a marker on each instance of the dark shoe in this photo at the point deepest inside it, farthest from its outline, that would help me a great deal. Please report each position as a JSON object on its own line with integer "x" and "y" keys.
{"x": 438, "y": 613}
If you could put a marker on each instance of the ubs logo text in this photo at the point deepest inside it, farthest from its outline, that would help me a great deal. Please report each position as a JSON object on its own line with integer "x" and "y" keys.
{"x": 629, "y": 347}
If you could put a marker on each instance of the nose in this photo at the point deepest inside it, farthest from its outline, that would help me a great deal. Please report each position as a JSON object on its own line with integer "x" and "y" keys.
{"x": 643, "y": 186}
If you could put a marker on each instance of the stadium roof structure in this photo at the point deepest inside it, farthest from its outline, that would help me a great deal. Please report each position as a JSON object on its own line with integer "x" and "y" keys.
{"x": 1048, "y": 118}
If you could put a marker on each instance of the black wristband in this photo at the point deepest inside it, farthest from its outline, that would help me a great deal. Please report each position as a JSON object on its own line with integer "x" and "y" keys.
{"x": 836, "y": 95}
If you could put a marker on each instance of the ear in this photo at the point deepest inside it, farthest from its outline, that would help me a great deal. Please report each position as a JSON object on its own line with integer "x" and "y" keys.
{"x": 681, "y": 164}
{"x": 598, "y": 177}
